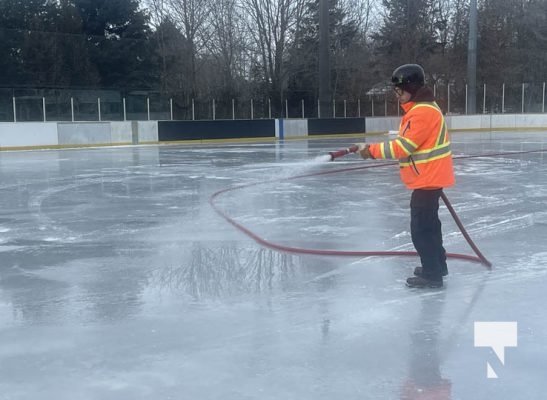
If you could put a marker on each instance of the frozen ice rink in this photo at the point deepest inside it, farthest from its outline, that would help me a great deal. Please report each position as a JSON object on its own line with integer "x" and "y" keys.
{"x": 120, "y": 280}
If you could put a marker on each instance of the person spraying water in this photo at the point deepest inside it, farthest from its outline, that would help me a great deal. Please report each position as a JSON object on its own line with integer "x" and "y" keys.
{"x": 425, "y": 160}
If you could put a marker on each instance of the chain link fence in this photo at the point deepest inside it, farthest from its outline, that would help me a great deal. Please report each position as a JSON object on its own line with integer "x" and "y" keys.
{"x": 25, "y": 105}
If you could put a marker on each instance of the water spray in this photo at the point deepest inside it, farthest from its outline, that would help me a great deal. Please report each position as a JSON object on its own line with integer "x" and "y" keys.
{"x": 343, "y": 152}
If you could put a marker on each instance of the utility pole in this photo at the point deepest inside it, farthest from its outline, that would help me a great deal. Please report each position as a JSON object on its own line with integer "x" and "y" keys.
{"x": 325, "y": 95}
{"x": 472, "y": 59}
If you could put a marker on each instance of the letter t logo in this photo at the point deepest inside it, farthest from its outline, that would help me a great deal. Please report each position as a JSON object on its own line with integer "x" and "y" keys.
{"x": 497, "y": 335}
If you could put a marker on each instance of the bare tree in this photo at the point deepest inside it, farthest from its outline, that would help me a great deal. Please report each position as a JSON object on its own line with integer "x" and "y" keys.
{"x": 158, "y": 14}
{"x": 350, "y": 46}
{"x": 449, "y": 26}
{"x": 364, "y": 13}
{"x": 226, "y": 42}
{"x": 191, "y": 17}
{"x": 272, "y": 24}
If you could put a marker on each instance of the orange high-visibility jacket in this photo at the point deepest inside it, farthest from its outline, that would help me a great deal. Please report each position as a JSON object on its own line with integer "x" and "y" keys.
{"x": 422, "y": 147}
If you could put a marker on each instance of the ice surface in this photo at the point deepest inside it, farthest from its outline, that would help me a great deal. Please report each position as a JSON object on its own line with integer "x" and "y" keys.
{"x": 118, "y": 280}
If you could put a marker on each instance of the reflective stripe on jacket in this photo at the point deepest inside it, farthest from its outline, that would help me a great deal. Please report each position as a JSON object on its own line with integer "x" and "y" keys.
{"x": 422, "y": 147}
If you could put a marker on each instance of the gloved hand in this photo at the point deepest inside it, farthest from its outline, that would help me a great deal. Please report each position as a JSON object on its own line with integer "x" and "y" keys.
{"x": 363, "y": 150}
{"x": 360, "y": 146}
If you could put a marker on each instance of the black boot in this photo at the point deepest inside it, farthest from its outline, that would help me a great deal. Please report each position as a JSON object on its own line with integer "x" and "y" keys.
{"x": 421, "y": 282}
{"x": 419, "y": 270}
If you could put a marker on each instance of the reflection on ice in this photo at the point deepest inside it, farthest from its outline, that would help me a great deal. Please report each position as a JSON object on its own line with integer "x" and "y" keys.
{"x": 224, "y": 271}
{"x": 425, "y": 372}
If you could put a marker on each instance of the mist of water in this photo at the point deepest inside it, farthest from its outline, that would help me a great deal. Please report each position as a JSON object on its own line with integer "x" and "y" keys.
{"x": 322, "y": 159}
{"x": 302, "y": 166}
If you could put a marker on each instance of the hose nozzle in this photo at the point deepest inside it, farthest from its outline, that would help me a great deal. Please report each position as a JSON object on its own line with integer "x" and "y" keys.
{"x": 339, "y": 153}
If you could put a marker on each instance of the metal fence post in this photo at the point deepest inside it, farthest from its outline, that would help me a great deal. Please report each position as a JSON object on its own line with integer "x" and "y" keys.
{"x": 193, "y": 111}
{"x": 302, "y": 108}
{"x": 522, "y": 100}
{"x": 484, "y": 99}
{"x": 269, "y": 108}
{"x": 448, "y": 99}
{"x": 99, "y": 107}
{"x": 359, "y": 107}
{"x": 503, "y": 98}
{"x": 543, "y": 99}
{"x": 233, "y": 109}
{"x": 333, "y": 108}
{"x": 14, "y": 110}
{"x": 148, "y": 107}
{"x": 171, "y": 107}
{"x": 72, "y": 107}
{"x": 214, "y": 110}
{"x": 124, "y": 110}
{"x": 318, "y": 109}
{"x": 466, "y": 99}
{"x": 252, "y": 109}
{"x": 44, "y": 107}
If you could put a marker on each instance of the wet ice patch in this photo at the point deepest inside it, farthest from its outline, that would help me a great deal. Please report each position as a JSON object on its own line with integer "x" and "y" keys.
{"x": 540, "y": 218}
{"x": 494, "y": 225}
{"x": 539, "y": 260}
{"x": 536, "y": 191}
{"x": 483, "y": 203}
{"x": 323, "y": 229}
{"x": 9, "y": 248}
{"x": 53, "y": 239}
{"x": 528, "y": 266}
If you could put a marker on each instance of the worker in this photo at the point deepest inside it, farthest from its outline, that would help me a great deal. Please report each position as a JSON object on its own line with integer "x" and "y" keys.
{"x": 425, "y": 164}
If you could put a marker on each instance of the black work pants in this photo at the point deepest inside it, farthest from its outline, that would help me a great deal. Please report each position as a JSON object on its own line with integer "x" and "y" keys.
{"x": 425, "y": 229}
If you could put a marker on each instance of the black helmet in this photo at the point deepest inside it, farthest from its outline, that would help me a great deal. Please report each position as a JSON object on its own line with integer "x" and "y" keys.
{"x": 409, "y": 77}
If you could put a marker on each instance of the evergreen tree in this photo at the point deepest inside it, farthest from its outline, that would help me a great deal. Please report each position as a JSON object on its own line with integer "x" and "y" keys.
{"x": 54, "y": 50}
{"x": 172, "y": 63}
{"x": 117, "y": 35}
{"x": 533, "y": 40}
{"x": 406, "y": 34}
{"x": 25, "y": 41}
{"x": 303, "y": 55}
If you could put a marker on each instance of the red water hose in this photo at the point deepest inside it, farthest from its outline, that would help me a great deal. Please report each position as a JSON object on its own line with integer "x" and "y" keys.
{"x": 299, "y": 250}
{"x": 482, "y": 259}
